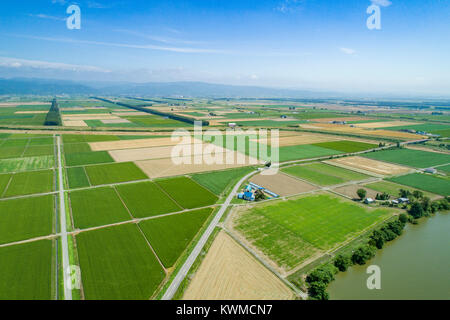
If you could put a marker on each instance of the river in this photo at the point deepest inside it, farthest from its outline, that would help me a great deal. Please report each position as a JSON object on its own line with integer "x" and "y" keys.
{"x": 414, "y": 266}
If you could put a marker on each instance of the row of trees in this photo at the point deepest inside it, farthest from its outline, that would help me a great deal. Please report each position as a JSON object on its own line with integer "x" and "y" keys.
{"x": 424, "y": 207}
{"x": 319, "y": 279}
{"x": 53, "y": 117}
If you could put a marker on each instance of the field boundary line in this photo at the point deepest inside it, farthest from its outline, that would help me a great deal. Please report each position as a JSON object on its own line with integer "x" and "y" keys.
{"x": 153, "y": 250}
{"x": 123, "y": 202}
{"x": 7, "y": 186}
{"x": 87, "y": 176}
{"x": 26, "y": 148}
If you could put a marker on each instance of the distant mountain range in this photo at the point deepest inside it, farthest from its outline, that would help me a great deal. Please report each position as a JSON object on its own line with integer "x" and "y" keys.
{"x": 35, "y": 86}
{"x": 51, "y": 87}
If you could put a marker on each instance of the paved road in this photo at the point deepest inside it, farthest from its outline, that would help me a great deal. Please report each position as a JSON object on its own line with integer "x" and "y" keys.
{"x": 182, "y": 273}
{"x": 62, "y": 216}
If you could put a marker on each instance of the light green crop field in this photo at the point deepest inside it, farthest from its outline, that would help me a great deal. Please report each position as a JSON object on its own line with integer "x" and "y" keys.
{"x": 117, "y": 263}
{"x": 27, "y": 218}
{"x": 84, "y": 158}
{"x": 425, "y": 182}
{"x": 169, "y": 236}
{"x": 76, "y": 138}
{"x": 346, "y": 146}
{"x": 26, "y": 164}
{"x": 146, "y": 199}
{"x": 77, "y": 177}
{"x": 97, "y": 207}
{"x": 188, "y": 193}
{"x": 11, "y": 152}
{"x": 41, "y": 141}
{"x": 114, "y": 173}
{"x": 218, "y": 182}
{"x": 44, "y": 150}
{"x": 15, "y": 143}
{"x": 324, "y": 174}
{"x": 409, "y": 157}
{"x": 445, "y": 169}
{"x": 32, "y": 182}
{"x": 26, "y": 271}
{"x": 289, "y": 232}
{"x": 393, "y": 189}
{"x": 76, "y": 148}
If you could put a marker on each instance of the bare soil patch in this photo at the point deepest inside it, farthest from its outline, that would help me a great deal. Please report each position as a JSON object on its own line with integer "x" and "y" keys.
{"x": 373, "y": 125}
{"x": 135, "y": 144}
{"x": 74, "y": 123}
{"x": 350, "y": 191}
{"x": 282, "y": 184}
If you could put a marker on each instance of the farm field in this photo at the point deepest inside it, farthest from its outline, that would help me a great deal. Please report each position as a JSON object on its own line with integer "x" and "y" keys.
{"x": 77, "y": 177}
{"x": 26, "y": 271}
{"x": 282, "y": 184}
{"x": 85, "y": 158}
{"x": 187, "y": 193}
{"x": 324, "y": 174}
{"x": 218, "y": 181}
{"x": 347, "y": 146}
{"x": 114, "y": 173}
{"x": 27, "y": 218}
{"x": 229, "y": 272}
{"x": 425, "y": 182}
{"x": 393, "y": 189}
{"x": 146, "y": 199}
{"x": 169, "y": 236}
{"x": 111, "y": 271}
{"x": 409, "y": 157}
{"x": 134, "y": 144}
{"x": 303, "y": 138}
{"x": 97, "y": 207}
{"x": 351, "y": 191}
{"x": 369, "y": 165}
{"x": 304, "y": 152}
{"x": 32, "y": 182}
{"x": 289, "y": 232}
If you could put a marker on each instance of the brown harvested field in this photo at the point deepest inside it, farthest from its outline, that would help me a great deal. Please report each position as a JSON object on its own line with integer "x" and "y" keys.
{"x": 350, "y": 191}
{"x": 74, "y": 123}
{"x": 163, "y": 152}
{"x": 229, "y": 272}
{"x": 130, "y": 113}
{"x": 137, "y": 143}
{"x": 282, "y": 184}
{"x": 30, "y": 112}
{"x": 355, "y": 130}
{"x": 374, "y": 166}
{"x": 303, "y": 138}
{"x": 374, "y": 125}
{"x": 159, "y": 168}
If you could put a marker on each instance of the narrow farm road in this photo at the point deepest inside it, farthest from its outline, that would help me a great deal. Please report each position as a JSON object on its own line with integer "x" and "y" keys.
{"x": 62, "y": 217}
{"x": 182, "y": 273}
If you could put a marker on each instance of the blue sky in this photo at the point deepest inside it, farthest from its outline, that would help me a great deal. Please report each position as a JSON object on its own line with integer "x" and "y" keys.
{"x": 307, "y": 44}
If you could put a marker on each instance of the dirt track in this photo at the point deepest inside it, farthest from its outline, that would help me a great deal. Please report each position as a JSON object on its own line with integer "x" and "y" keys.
{"x": 231, "y": 273}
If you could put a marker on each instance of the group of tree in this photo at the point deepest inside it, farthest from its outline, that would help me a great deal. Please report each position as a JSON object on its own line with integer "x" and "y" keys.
{"x": 361, "y": 193}
{"x": 383, "y": 196}
{"x": 318, "y": 281}
{"x": 259, "y": 195}
{"x": 53, "y": 117}
{"x": 388, "y": 232}
{"x": 424, "y": 206}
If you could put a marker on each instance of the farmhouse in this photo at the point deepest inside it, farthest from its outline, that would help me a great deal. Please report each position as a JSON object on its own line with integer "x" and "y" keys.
{"x": 430, "y": 170}
{"x": 369, "y": 201}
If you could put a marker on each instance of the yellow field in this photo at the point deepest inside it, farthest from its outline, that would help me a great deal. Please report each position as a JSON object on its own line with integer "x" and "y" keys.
{"x": 374, "y": 166}
{"x": 374, "y": 125}
{"x": 74, "y": 123}
{"x": 282, "y": 184}
{"x": 94, "y": 116}
{"x": 166, "y": 168}
{"x": 134, "y": 144}
{"x": 229, "y": 272}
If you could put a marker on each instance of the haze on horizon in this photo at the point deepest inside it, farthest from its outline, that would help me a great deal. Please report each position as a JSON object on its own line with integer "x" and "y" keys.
{"x": 299, "y": 44}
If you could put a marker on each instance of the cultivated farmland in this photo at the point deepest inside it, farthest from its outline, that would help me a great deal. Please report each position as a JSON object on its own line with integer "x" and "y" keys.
{"x": 114, "y": 173}
{"x": 282, "y": 184}
{"x": 170, "y": 235}
{"x": 425, "y": 182}
{"x": 26, "y": 271}
{"x": 369, "y": 165}
{"x": 187, "y": 193}
{"x": 229, "y": 272}
{"x": 409, "y": 157}
{"x": 96, "y": 207}
{"x": 289, "y": 232}
{"x": 118, "y": 263}
{"x": 324, "y": 174}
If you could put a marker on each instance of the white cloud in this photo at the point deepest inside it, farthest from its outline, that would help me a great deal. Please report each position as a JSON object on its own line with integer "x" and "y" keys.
{"x": 37, "y": 64}
{"x": 348, "y": 51}
{"x": 45, "y": 16}
{"x": 61, "y": 2}
{"x": 290, "y": 6}
{"x": 382, "y": 3}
